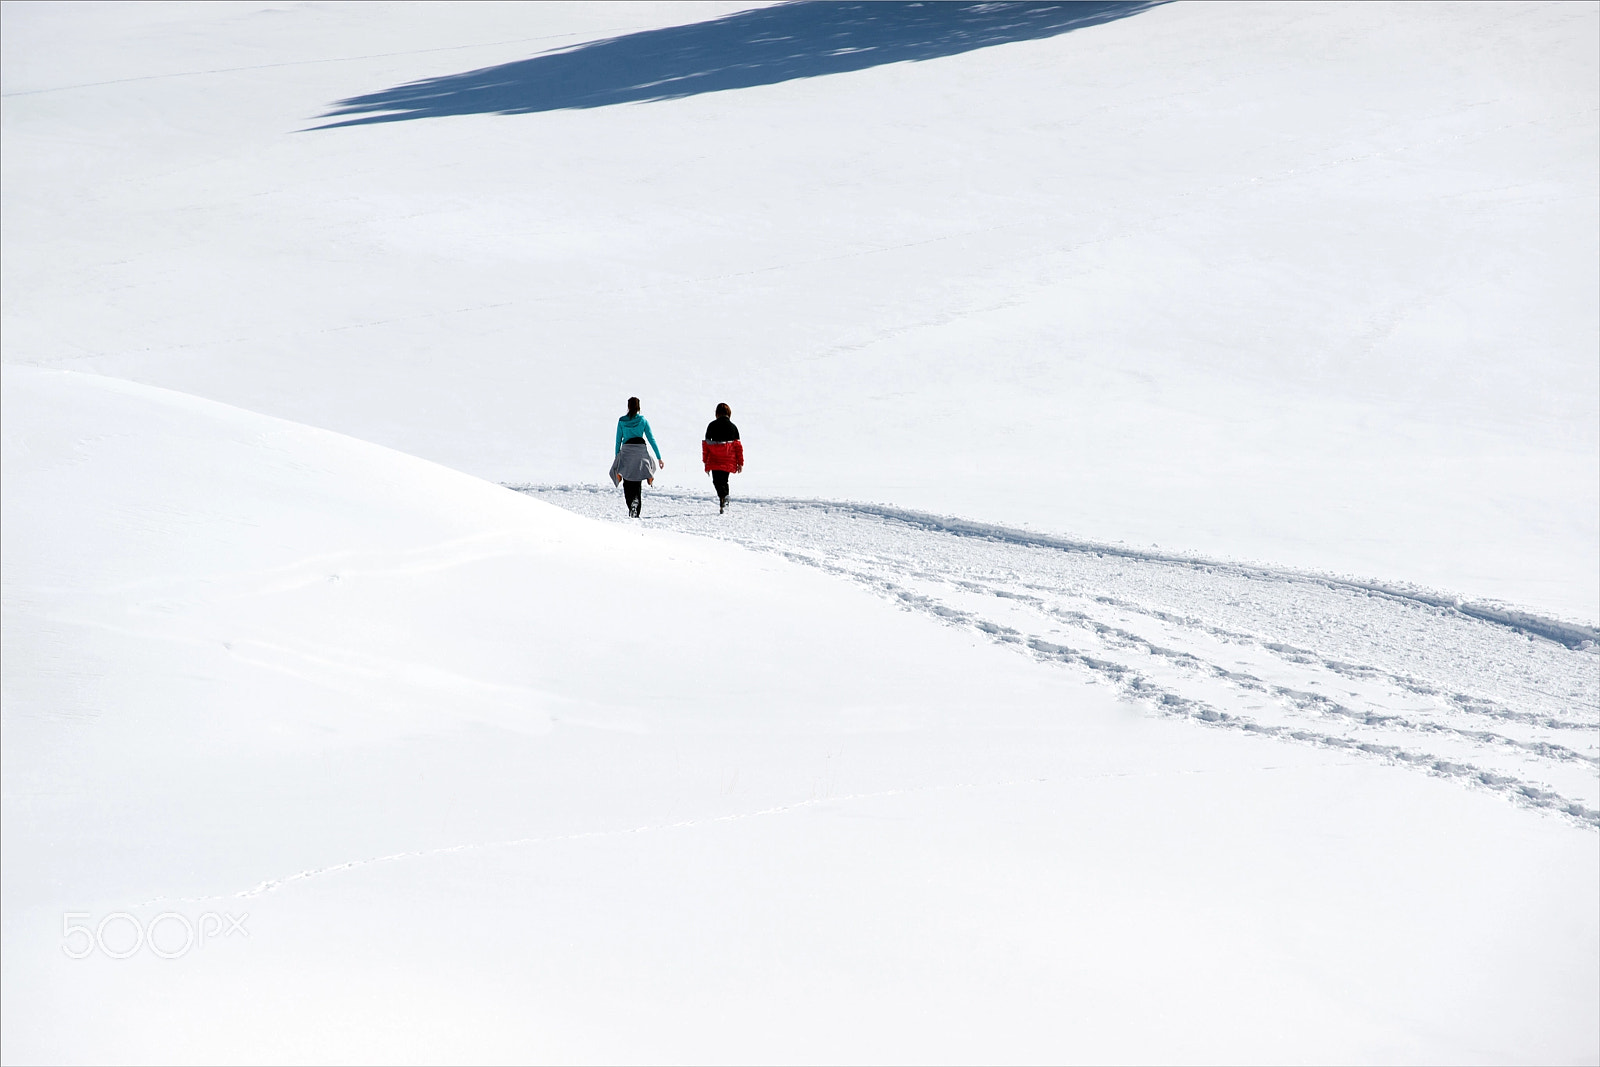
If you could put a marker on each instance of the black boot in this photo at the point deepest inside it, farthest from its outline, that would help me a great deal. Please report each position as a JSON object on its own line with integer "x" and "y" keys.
{"x": 722, "y": 504}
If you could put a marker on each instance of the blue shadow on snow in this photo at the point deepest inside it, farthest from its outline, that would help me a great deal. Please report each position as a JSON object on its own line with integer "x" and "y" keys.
{"x": 749, "y": 48}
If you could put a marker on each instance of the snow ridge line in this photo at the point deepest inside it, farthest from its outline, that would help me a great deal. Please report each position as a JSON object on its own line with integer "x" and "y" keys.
{"x": 1573, "y": 635}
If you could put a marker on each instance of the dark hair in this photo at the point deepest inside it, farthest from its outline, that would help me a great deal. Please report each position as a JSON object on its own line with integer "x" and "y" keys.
{"x": 633, "y": 405}
{"x": 724, "y": 411}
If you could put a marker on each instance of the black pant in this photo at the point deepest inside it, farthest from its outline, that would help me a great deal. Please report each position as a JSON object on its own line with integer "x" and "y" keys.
{"x": 720, "y": 480}
{"x": 635, "y": 499}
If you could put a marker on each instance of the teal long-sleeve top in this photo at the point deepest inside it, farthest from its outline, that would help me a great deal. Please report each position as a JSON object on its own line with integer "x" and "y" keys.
{"x": 635, "y": 426}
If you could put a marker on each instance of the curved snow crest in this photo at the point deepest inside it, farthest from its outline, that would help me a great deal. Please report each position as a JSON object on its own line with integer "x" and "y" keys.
{"x": 1574, "y": 635}
{"x": 177, "y": 564}
{"x": 1398, "y": 674}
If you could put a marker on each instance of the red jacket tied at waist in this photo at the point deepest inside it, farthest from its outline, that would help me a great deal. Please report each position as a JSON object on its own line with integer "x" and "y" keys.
{"x": 722, "y": 456}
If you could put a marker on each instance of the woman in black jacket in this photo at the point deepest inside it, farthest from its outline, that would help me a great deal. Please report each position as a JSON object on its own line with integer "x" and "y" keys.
{"x": 722, "y": 453}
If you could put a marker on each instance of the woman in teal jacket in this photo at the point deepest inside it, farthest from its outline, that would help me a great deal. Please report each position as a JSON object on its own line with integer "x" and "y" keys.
{"x": 632, "y": 464}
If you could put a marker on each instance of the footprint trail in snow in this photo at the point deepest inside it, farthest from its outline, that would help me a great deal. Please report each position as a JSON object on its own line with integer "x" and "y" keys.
{"x": 1503, "y": 701}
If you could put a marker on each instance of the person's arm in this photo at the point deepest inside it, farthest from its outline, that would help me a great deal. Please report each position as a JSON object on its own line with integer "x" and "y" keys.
{"x": 652, "y": 439}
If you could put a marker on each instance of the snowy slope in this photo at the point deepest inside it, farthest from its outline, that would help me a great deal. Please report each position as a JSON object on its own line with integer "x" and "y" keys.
{"x": 488, "y": 780}
{"x": 1505, "y": 702}
{"x": 1304, "y": 283}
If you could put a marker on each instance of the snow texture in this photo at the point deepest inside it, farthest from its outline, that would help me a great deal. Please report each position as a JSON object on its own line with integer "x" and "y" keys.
{"x": 1156, "y": 623}
{"x": 487, "y": 780}
{"x": 1505, "y": 701}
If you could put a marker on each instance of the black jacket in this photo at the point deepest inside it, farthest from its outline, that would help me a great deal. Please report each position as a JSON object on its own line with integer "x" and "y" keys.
{"x": 722, "y": 430}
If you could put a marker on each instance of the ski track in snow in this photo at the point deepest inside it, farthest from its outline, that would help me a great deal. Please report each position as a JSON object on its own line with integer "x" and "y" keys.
{"x": 1499, "y": 699}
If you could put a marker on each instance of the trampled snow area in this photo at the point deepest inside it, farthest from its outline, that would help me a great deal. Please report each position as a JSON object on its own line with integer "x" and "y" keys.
{"x": 1400, "y": 676}
{"x": 1157, "y": 621}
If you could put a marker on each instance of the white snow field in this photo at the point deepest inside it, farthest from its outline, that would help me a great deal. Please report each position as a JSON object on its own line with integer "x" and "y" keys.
{"x": 482, "y": 779}
{"x": 1157, "y": 622}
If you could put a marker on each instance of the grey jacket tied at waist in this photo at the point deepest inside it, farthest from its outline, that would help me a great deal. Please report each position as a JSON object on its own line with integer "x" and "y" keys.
{"x": 633, "y": 463}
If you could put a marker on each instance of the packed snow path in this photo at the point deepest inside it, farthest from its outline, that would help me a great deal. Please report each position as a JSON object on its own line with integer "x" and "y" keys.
{"x": 1503, "y": 701}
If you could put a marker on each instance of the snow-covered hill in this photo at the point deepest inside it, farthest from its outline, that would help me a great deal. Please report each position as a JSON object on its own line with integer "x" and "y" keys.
{"x": 482, "y": 779}
{"x": 1310, "y": 284}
